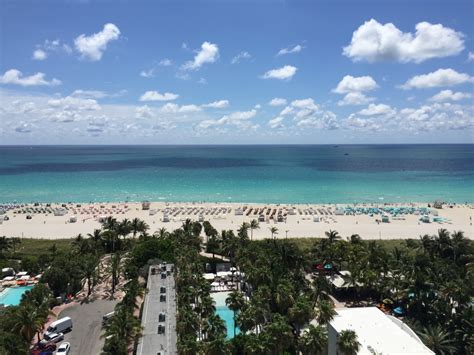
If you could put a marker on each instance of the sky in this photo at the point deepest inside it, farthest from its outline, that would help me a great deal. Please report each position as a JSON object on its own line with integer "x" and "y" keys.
{"x": 236, "y": 72}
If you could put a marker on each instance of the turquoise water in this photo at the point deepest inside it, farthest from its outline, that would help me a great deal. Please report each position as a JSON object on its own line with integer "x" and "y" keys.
{"x": 225, "y": 313}
{"x": 265, "y": 174}
{"x": 12, "y": 296}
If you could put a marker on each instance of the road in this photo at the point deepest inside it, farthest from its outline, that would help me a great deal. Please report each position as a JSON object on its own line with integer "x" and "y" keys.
{"x": 87, "y": 326}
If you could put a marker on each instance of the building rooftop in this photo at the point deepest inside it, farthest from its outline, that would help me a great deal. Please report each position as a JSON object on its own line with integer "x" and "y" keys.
{"x": 378, "y": 333}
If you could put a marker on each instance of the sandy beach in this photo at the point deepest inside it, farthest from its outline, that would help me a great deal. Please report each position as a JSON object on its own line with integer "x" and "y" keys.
{"x": 295, "y": 220}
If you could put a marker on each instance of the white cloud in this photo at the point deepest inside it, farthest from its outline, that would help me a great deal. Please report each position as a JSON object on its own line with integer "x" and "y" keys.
{"x": 355, "y": 98}
{"x": 96, "y": 94}
{"x": 306, "y": 113}
{"x": 378, "y": 110}
{"x": 276, "y": 122}
{"x": 239, "y": 119}
{"x": 148, "y": 73}
{"x": 209, "y": 53}
{"x": 374, "y": 42}
{"x": 15, "y": 77}
{"x": 202, "y": 81}
{"x": 470, "y": 56}
{"x": 240, "y": 57}
{"x": 156, "y": 96}
{"x": 165, "y": 62}
{"x": 439, "y": 78}
{"x": 74, "y": 103}
{"x": 39, "y": 54}
{"x": 283, "y": 73}
{"x": 355, "y": 84}
{"x": 174, "y": 108}
{"x": 446, "y": 95}
{"x": 277, "y": 101}
{"x": 296, "y": 49}
{"x": 143, "y": 112}
{"x": 217, "y": 104}
{"x": 92, "y": 47}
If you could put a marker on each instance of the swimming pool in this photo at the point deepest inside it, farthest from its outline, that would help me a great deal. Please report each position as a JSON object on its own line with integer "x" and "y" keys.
{"x": 225, "y": 313}
{"x": 12, "y": 296}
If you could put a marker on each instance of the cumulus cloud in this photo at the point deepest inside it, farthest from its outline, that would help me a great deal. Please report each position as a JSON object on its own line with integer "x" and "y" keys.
{"x": 39, "y": 54}
{"x": 470, "y": 56}
{"x": 284, "y": 73}
{"x": 306, "y": 113}
{"x": 150, "y": 73}
{"x": 355, "y": 98}
{"x": 143, "y": 112}
{"x": 296, "y": 49}
{"x": 174, "y": 108}
{"x": 239, "y": 119}
{"x": 209, "y": 53}
{"x": 74, "y": 103}
{"x": 217, "y": 104}
{"x": 96, "y": 94}
{"x": 49, "y": 46}
{"x": 15, "y": 77}
{"x": 240, "y": 57}
{"x": 93, "y": 47}
{"x": 156, "y": 96}
{"x": 374, "y": 42}
{"x": 277, "y": 101}
{"x": 448, "y": 95}
{"x": 355, "y": 84}
{"x": 378, "y": 110}
{"x": 276, "y": 122}
{"x": 165, "y": 62}
{"x": 438, "y": 78}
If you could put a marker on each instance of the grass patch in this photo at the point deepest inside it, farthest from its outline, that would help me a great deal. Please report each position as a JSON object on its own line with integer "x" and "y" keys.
{"x": 37, "y": 247}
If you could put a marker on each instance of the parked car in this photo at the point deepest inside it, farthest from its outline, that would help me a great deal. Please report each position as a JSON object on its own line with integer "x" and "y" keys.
{"x": 52, "y": 338}
{"x": 62, "y": 325}
{"x": 44, "y": 347}
{"x": 106, "y": 317}
{"x": 64, "y": 348}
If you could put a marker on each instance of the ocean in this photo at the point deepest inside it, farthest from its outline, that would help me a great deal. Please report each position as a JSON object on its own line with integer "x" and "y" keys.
{"x": 247, "y": 173}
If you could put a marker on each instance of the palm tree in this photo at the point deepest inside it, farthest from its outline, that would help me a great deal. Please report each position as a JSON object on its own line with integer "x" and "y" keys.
{"x": 162, "y": 233}
{"x": 314, "y": 341}
{"x": 332, "y": 236}
{"x": 273, "y": 231}
{"x": 114, "y": 269}
{"x": 437, "y": 340}
{"x": 137, "y": 225}
{"x": 235, "y": 302}
{"x": 29, "y": 320}
{"x": 253, "y": 225}
{"x": 325, "y": 312}
{"x": 89, "y": 272}
{"x": 347, "y": 342}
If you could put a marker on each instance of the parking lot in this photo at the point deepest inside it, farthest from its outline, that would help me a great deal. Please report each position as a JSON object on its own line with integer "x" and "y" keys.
{"x": 87, "y": 326}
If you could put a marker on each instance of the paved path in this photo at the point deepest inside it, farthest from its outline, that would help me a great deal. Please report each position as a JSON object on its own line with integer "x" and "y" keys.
{"x": 87, "y": 326}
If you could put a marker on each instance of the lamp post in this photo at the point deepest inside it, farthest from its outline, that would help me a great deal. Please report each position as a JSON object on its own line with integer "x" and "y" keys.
{"x": 286, "y": 234}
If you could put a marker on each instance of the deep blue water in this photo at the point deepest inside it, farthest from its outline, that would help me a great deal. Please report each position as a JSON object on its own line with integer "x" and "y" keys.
{"x": 271, "y": 174}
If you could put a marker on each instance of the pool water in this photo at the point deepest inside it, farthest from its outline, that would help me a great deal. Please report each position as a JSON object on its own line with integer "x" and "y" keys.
{"x": 12, "y": 296}
{"x": 225, "y": 313}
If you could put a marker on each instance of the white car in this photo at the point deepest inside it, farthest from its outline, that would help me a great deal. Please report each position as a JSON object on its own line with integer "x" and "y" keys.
{"x": 52, "y": 338}
{"x": 64, "y": 349}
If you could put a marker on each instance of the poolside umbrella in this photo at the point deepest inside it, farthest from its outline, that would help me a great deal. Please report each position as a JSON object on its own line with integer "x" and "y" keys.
{"x": 399, "y": 311}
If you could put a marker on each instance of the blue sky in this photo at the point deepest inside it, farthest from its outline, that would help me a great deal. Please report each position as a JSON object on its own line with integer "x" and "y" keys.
{"x": 185, "y": 72}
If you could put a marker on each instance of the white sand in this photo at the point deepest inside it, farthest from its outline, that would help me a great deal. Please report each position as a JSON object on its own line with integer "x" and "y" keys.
{"x": 55, "y": 227}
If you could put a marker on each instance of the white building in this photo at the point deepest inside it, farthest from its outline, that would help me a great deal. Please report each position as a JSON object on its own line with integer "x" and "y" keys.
{"x": 377, "y": 333}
